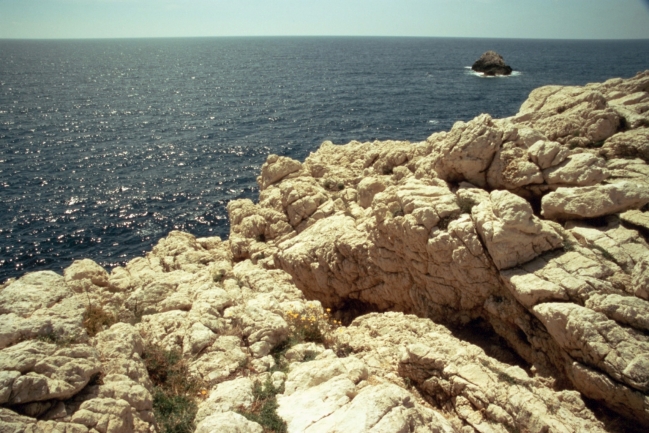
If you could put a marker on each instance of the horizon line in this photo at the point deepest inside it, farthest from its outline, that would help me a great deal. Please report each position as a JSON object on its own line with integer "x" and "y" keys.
{"x": 319, "y": 36}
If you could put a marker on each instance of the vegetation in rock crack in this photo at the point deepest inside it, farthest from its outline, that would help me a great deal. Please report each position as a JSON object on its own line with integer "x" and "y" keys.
{"x": 218, "y": 275}
{"x": 444, "y": 222}
{"x": 312, "y": 325}
{"x": 54, "y": 338}
{"x": 264, "y": 408}
{"x": 175, "y": 390}
{"x": 605, "y": 253}
{"x": 96, "y": 319}
{"x": 466, "y": 204}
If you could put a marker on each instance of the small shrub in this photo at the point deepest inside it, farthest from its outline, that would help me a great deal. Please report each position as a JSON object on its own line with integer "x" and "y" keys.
{"x": 174, "y": 405}
{"x": 444, "y": 222}
{"x": 54, "y": 338}
{"x": 312, "y": 325}
{"x": 95, "y": 320}
{"x": 218, "y": 275}
{"x": 174, "y": 413}
{"x": 466, "y": 204}
{"x": 568, "y": 245}
{"x": 264, "y": 407}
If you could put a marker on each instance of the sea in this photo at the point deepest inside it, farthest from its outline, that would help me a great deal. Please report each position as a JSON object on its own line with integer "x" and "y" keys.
{"x": 108, "y": 145}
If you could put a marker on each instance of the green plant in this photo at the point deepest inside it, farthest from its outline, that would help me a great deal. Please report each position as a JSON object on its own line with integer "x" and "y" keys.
{"x": 174, "y": 413}
{"x": 466, "y": 204}
{"x": 568, "y": 245}
{"x": 607, "y": 255}
{"x": 174, "y": 404}
{"x": 264, "y": 407}
{"x": 312, "y": 325}
{"x": 218, "y": 275}
{"x": 96, "y": 319}
{"x": 54, "y": 338}
{"x": 444, "y": 222}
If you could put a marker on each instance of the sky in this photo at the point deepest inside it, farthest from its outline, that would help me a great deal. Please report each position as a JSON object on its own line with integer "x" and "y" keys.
{"x": 544, "y": 19}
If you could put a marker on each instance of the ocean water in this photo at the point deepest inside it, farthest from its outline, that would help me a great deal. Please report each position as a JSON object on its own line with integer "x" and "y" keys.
{"x": 107, "y": 145}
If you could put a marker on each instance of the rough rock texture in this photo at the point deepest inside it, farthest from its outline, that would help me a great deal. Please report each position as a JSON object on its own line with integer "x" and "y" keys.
{"x": 491, "y": 63}
{"x": 504, "y": 264}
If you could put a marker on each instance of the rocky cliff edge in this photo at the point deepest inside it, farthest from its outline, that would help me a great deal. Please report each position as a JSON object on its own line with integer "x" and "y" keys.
{"x": 492, "y": 278}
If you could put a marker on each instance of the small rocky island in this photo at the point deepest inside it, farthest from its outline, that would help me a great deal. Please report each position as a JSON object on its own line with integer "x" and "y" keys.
{"x": 490, "y": 278}
{"x": 491, "y": 63}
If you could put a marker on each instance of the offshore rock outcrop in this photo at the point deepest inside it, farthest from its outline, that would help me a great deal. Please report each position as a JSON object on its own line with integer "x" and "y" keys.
{"x": 504, "y": 265}
{"x": 491, "y": 63}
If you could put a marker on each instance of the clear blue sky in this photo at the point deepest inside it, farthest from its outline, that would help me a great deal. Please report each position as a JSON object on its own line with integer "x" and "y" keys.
{"x": 571, "y": 19}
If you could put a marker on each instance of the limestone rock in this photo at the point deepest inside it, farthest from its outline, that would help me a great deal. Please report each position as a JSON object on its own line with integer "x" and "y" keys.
{"x": 323, "y": 396}
{"x": 593, "y": 340}
{"x": 224, "y": 358}
{"x": 491, "y": 397}
{"x": 472, "y": 388}
{"x": 227, "y": 396}
{"x": 46, "y": 372}
{"x": 511, "y": 232}
{"x": 466, "y": 152}
{"x": 121, "y": 348}
{"x": 641, "y": 278}
{"x": 15, "y": 423}
{"x": 547, "y": 154}
{"x": 569, "y": 115}
{"x": 84, "y": 275}
{"x": 581, "y": 169}
{"x": 105, "y": 415}
{"x": 628, "y": 144}
{"x": 594, "y": 201}
{"x": 636, "y": 218}
{"x": 276, "y": 168}
{"x": 40, "y": 304}
{"x": 228, "y": 422}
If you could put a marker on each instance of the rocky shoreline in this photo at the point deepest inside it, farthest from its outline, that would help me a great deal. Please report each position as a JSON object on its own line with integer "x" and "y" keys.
{"x": 492, "y": 278}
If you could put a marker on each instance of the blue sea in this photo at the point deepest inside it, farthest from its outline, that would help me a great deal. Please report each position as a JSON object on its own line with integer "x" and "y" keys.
{"x": 107, "y": 145}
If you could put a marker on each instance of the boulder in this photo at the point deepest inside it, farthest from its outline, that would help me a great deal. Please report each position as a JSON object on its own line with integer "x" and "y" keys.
{"x": 510, "y": 230}
{"x": 594, "y": 201}
{"x": 491, "y": 63}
